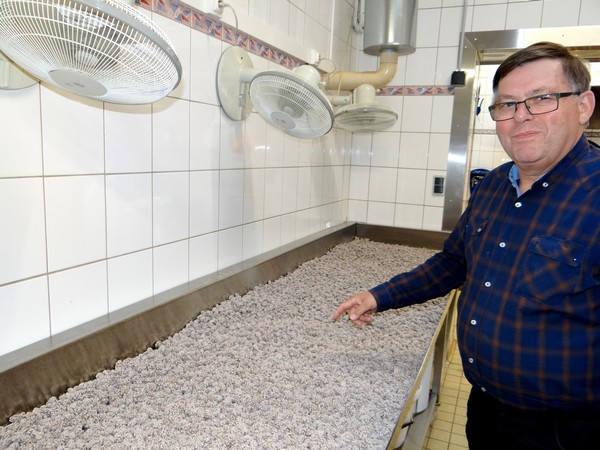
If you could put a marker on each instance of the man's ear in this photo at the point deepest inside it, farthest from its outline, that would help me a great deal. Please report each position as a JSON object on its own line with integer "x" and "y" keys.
{"x": 587, "y": 102}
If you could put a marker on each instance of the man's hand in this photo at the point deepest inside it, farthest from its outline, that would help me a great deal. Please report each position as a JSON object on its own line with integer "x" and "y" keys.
{"x": 359, "y": 308}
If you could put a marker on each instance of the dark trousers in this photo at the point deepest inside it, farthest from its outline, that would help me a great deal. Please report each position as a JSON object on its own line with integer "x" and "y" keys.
{"x": 492, "y": 425}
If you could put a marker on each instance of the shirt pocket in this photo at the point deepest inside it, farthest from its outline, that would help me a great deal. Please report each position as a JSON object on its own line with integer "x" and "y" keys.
{"x": 553, "y": 267}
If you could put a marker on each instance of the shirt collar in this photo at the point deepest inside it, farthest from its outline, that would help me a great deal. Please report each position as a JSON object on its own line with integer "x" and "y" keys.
{"x": 513, "y": 176}
{"x": 513, "y": 173}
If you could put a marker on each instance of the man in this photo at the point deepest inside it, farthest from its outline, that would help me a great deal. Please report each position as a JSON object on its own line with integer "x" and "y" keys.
{"x": 526, "y": 252}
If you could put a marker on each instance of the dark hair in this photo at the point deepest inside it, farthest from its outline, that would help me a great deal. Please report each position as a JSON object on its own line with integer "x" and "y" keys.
{"x": 575, "y": 69}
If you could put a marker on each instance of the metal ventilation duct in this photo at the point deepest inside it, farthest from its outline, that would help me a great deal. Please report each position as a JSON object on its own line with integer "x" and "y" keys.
{"x": 389, "y": 26}
{"x": 389, "y": 32}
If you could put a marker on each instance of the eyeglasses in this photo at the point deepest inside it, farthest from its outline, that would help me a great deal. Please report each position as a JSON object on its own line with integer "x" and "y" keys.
{"x": 538, "y": 104}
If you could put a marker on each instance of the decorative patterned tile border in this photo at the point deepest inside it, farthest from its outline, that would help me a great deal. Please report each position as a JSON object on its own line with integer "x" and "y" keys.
{"x": 186, "y": 15}
{"x": 416, "y": 90}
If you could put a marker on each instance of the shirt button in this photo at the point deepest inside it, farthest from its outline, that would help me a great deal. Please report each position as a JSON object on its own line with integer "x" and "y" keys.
{"x": 545, "y": 184}
{"x": 518, "y": 204}
{"x": 473, "y": 322}
{"x": 482, "y": 389}
{"x": 471, "y": 360}
{"x": 487, "y": 284}
{"x": 502, "y": 244}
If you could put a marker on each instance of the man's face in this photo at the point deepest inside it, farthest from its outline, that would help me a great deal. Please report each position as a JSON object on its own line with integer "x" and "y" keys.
{"x": 537, "y": 142}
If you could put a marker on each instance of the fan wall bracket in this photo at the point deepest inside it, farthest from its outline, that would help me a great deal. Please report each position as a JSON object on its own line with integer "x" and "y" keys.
{"x": 234, "y": 73}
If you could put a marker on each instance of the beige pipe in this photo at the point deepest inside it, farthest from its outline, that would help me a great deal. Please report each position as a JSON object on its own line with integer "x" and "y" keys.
{"x": 339, "y": 80}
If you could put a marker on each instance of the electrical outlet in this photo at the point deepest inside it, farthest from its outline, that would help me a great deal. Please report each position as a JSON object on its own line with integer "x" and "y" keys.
{"x": 207, "y": 6}
{"x": 438, "y": 185}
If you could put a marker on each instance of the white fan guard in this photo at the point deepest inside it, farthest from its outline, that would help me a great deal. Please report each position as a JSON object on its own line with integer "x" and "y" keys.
{"x": 365, "y": 118}
{"x": 102, "y": 49}
{"x": 292, "y": 104}
{"x": 365, "y": 114}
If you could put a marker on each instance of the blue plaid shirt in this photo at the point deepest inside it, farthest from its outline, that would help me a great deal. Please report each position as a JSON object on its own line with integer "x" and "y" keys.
{"x": 529, "y": 266}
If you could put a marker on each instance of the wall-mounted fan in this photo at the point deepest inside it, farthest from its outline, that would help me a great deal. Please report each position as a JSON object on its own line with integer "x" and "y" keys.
{"x": 365, "y": 114}
{"x": 290, "y": 101}
{"x": 102, "y": 49}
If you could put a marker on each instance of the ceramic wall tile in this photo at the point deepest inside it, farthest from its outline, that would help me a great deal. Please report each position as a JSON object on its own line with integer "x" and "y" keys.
{"x": 384, "y": 149}
{"x": 589, "y": 13}
{"x": 25, "y": 316}
{"x": 439, "y": 143}
{"x": 274, "y": 147}
{"x": 287, "y": 230}
{"x": 359, "y": 183}
{"x": 381, "y": 182}
{"x": 252, "y": 239}
{"x": 253, "y": 195}
{"x": 77, "y": 296}
{"x": 296, "y": 23}
{"x": 205, "y": 132}
{"x": 72, "y": 134}
{"x": 232, "y": 143}
{"x": 279, "y": 16}
{"x": 357, "y": 210}
{"x": 21, "y": 149}
{"x": 450, "y": 27}
{"x": 414, "y": 150}
{"x": 230, "y": 247}
{"x": 129, "y": 279}
{"x": 489, "y": 17}
{"x": 128, "y": 213}
{"x": 316, "y": 186}
{"x": 554, "y": 13}
{"x": 432, "y": 218}
{"x": 411, "y": 186}
{"x": 273, "y": 191}
{"x": 22, "y": 232}
{"x": 380, "y": 213}
{"x": 170, "y": 209}
{"x": 288, "y": 192}
{"x": 231, "y": 198}
{"x": 420, "y": 67}
{"x": 180, "y": 37}
{"x": 441, "y": 114}
{"x": 255, "y": 142}
{"x": 128, "y": 138}
{"x": 416, "y": 114}
{"x": 171, "y": 135}
{"x": 171, "y": 266}
{"x": 524, "y": 15}
{"x": 446, "y": 64}
{"x": 304, "y": 188}
{"x": 204, "y": 202}
{"x": 408, "y": 216}
{"x": 203, "y": 255}
{"x": 361, "y": 149}
{"x": 75, "y": 220}
{"x": 428, "y": 27}
{"x": 205, "y": 54}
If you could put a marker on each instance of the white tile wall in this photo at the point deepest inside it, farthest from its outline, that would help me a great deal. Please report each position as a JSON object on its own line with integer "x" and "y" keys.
{"x": 21, "y": 149}
{"x": 77, "y": 295}
{"x": 128, "y": 138}
{"x": 104, "y": 205}
{"x": 75, "y": 220}
{"x": 129, "y": 279}
{"x": 128, "y": 213}
{"x": 25, "y": 316}
{"x": 22, "y": 233}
